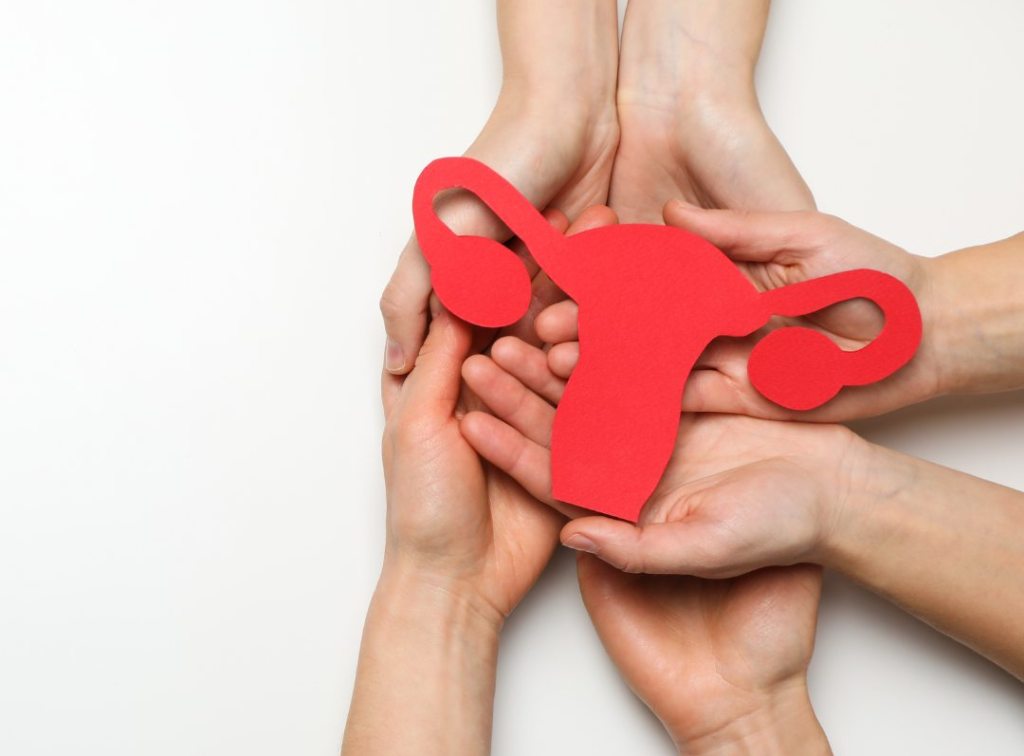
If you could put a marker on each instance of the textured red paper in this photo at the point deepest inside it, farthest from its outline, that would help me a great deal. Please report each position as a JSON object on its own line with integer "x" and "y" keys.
{"x": 651, "y": 298}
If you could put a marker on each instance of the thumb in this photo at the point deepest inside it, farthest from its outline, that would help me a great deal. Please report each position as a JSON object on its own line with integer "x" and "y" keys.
{"x": 436, "y": 375}
{"x": 404, "y": 307}
{"x": 672, "y": 548}
{"x": 750, "y": 236}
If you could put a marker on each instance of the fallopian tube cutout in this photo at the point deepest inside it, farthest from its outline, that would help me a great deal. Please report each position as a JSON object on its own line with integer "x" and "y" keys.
{"x": 651, "y": 298}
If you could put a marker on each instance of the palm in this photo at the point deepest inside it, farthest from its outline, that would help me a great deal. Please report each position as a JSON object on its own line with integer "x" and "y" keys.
{"x": 714, "y": 487}
{"x": 840, "y": 247}
{"x": 703, "y": 653}
{"x": 508, "y": 537}
{"x": 691, "y": 125}
{"x": 457, "y": 518}
{"x": 699, "y": 161}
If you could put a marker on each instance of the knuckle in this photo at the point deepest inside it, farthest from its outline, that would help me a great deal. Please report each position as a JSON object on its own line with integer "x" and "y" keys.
{"x": 629, "y": 563}
{"x": 391, "y": 303}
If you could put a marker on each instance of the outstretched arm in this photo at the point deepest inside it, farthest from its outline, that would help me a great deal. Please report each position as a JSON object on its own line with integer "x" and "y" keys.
{"x": 970, "y": 300}
{"x": 945, "y": 545}
{"x": 980, "y": 314}
{"x": 464, "y": 544}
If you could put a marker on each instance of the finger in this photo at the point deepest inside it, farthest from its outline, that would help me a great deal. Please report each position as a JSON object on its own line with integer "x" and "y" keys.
{"x": 390, "y": 389}
{"x": 711, "y": 391}
{"x": 525, "y": 461}
{"x": 529, "y": 364}
{"x": 509, "y": 399}
{"x": 559, "y": 322}
{"x": 593, "y": 217}
{"x": 673, "y": 548}
{"x": 753, "y": 236}
{"x": 434, "y": 380}
{"x": 545, "y": 292}
{"x": 558, "y": 220}
{"x": 404, "y": 305}
{"x": 562, "y": 358}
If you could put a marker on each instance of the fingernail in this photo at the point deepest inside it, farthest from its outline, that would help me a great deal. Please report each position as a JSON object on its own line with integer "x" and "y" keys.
{"x": 394, "y": 357}
{"x": 580, "y": 542}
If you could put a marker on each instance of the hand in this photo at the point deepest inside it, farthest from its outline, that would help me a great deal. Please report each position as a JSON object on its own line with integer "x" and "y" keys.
{"x": 453, "y": 520}
{"x": 455, "y": 525}
{"x": 709, "y": 515}
{"x": 464, "y": 544}
{"x": 777, "y": 249}
{"x": 553, "y": 134}
{"x": 722, "y": 663}
{"x": 690, "y": 119}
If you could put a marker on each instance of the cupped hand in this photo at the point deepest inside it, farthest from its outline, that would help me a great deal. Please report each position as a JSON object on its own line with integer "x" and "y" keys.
{"x": 722, "y": 663}
{"x": 738, "y": 494}
{"x": 553, "y": 134}
{"x": 778, "y": 249}
{"x": 455, "y": 524}
{"x": 691, "y": 125}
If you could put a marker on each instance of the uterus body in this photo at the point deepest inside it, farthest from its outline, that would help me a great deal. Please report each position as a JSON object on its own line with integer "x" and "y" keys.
{"x": 651, "y": 299}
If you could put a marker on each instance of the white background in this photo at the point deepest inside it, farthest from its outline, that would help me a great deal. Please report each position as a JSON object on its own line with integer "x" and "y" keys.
{"x": 200, "y": 202}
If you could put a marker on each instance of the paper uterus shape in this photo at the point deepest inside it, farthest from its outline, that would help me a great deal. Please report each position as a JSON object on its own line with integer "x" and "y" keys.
{"x": 651, "y": 298}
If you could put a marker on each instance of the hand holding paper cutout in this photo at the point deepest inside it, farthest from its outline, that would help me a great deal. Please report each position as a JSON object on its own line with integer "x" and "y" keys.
{"x": 709, "y": 516}
{"x": 452, "y": 521}
{"x": 617, "y": 421}
{"x": 776, "y": 250}
{"x": 553, "y": 133}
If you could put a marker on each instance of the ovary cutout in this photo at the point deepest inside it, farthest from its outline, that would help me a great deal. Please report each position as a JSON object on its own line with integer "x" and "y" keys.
{"x": 651, "y": 298}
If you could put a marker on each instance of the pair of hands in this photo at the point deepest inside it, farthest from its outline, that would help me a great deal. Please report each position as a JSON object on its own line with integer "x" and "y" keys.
{"x": 582, "y": 120}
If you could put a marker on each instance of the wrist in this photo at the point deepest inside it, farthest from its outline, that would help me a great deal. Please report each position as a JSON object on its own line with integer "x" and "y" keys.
{"x": 425, "y": 653}
{"x": 868, "y": 510}
{"x": 783, "y": 723}
{"x": 979, "y": 322}
{"x": 560, "y": 57}
{"x": 678, "y": 70}
{"x": 553, "y": 112}
{"x": 940, "y": 326}
{"x": 415, "y": 596}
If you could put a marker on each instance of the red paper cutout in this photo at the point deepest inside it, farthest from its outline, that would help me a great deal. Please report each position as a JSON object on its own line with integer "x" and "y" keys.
{"x": 651, "y": 298}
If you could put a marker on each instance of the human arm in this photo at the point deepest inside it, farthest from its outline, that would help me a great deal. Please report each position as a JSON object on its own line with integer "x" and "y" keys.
{"x": 970, "y": 302}
{"x": 426, "y": 675}
{"x": 464, "y": 544}
{"x": 552, "y": 133}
